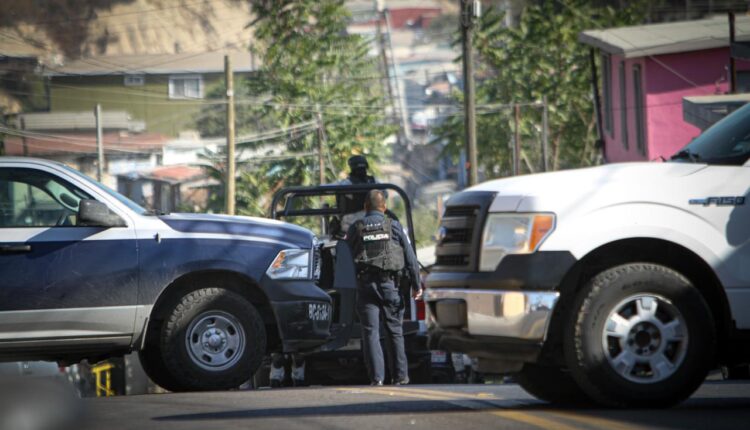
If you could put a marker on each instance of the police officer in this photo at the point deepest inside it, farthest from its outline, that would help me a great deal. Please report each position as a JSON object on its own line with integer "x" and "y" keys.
{"x": 358, "y": 172}
{"x": 357, "y": 176}
{"x": 278, "y": 371}
{"x": 381, "y": 251}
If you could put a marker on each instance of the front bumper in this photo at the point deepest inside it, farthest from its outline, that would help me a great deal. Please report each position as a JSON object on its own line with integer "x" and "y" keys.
{"x": 303, "y": 313}
{"x": 509, "y": 325}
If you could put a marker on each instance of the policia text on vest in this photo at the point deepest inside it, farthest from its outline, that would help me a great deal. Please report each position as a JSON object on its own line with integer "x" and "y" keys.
{"x": 381, "y": 251}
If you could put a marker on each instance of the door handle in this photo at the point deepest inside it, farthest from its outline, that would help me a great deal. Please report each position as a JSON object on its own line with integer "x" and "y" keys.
{"x": 10, "y": 249}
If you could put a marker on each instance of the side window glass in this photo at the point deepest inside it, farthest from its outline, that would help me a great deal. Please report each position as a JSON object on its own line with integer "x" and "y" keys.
{"x": 32, "y": 198}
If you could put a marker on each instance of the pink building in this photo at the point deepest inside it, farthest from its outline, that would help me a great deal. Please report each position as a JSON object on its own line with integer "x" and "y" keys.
{"x": 645, "y": 73}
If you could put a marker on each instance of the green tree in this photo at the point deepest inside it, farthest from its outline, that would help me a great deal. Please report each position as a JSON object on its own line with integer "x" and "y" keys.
{"x": 311, "y": 68}
{"x": 541, "y": 57}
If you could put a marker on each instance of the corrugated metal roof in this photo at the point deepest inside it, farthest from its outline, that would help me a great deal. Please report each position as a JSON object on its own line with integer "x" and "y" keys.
{"x": 174, "y": 174}
{"x": 111, "y": 120}
{"x": 85, "y": 143}
{"x": 188, "y": 62}
{"x": 669, "y": 38}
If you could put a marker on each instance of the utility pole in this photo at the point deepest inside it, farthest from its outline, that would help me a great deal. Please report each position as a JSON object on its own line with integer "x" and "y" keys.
{"x": 517, "y": 140}
{"x": 470, "y": 10}
{"x": 545, "y": 134}
{"x": 229, "y": 78}
{"x": 99, "y": 143}
{"x": 398, "y": 90}
{"x": 732, "y": 63}
{"x": 322, "y": 142}
{"x": 23, "y": 138}
{"x": 380, "y": 9}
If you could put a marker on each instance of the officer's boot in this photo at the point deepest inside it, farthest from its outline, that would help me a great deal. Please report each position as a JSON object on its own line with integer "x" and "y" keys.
{"x": 277, "y": 370}
{"x": 298, "y": 372}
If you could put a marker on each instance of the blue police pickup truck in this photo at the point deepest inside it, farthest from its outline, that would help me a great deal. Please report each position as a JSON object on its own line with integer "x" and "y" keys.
{"x": 86, "y": 273}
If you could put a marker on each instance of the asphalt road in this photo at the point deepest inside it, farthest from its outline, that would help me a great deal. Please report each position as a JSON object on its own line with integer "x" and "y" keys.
{"x": 717, "y": 405}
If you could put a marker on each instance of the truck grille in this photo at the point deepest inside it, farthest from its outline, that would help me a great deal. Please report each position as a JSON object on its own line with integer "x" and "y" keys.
{"x": 460, "y": 231}
{"x": 452, "y": 260}
{"x": 461, "y": 211}
{"x": 460, "y": 235}
{"x": 457, "y": 231}
{"x": 317, "y": 260}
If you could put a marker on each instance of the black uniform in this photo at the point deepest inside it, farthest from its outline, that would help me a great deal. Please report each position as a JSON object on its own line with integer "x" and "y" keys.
{"x": 381, "y": 251}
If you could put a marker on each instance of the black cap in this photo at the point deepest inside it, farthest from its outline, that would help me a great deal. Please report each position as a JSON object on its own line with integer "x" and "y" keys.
{"x": 358, "y": 162}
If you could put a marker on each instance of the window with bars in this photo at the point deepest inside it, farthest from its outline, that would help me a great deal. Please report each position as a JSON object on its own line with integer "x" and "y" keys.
{"x": 640, "y": 125}
{"x": 134, "y": 80}
{"x": 186, "y": 87}
{"x": 607, "y": 92}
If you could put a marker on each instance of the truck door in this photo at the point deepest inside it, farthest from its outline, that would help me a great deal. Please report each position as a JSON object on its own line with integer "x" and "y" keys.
{"x": 734, "y": 219}
{"x": 61, "y": 280}
{"x": 721, "y": 196}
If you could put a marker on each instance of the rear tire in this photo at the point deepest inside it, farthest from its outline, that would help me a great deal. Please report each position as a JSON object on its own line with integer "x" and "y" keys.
{"x": 641, "y": 336}
{"x": 212, "y": 339}
{"x": 551, "y": 384}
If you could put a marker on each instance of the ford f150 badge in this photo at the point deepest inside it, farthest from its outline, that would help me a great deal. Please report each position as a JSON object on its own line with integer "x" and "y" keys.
{"x": 719, "y": 201}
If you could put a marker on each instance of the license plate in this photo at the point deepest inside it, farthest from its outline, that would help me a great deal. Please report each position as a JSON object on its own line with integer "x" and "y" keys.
{"x": 318, "y": 312}
{"x": 439, "y": 357}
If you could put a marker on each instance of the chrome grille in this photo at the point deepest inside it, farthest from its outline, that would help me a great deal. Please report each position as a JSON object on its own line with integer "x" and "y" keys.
{"x": 457, "y": 233}
{"x": 317, "y": 260}
{"x": 461, "y": 230}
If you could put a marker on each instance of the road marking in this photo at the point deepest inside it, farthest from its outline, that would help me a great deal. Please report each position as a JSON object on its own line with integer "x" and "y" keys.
{"x": 447, "y": 395}
{"x": 392, "y": 393}
{"x": 594, "y": 421}
{"x": 507, "y": 414}
{"x": 451, "y": 394}
{"x": 534, "y": 420}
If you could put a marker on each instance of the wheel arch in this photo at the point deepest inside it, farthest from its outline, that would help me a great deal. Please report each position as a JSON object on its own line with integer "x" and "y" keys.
{"x": 233, "y": 281}
{"x": 645, "y": 250}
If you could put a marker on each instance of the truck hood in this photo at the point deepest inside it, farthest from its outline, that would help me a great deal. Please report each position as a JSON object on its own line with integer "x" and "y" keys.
{"x": 570, "y": 183}
{"x": 240, "y": 226}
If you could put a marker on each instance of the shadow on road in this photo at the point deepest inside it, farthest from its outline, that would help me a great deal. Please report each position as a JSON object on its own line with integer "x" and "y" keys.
{"x": 369, "y": 408}
{"x": 697, "y": 413}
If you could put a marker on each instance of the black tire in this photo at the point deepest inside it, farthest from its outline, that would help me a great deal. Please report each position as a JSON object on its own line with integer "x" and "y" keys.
{"x": 190, "y": 370}
{"x": 741, "y": 372}
{"x": 682, "y": 363}
{"x": 422, "y": 374}
{"x": 551, "y": 384}
{"x": 152, "y": 363}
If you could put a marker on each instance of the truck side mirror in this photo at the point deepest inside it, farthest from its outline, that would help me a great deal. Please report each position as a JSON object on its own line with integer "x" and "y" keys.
{"x": 93, "y": 213}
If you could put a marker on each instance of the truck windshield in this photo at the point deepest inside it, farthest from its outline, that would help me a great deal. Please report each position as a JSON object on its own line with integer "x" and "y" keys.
{"x": 726, "y": 143}
{"x": 122, "y": 199}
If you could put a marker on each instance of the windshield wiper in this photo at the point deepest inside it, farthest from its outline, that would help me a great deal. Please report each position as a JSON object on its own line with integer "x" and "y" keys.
{"x": 686, "y": 154}
{"x": 154, "y": 212}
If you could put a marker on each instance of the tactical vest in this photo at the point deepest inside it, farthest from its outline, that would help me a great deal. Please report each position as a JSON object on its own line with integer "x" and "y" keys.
{"x": 377, "y": 248}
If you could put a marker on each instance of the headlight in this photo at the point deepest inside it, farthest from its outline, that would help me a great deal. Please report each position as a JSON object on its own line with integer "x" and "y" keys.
{"x": 290, "y": 264}
{"x": 506, "y": 233}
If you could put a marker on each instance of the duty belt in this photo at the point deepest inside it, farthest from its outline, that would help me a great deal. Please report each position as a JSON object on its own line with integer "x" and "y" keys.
{"x": 376, "y": 273}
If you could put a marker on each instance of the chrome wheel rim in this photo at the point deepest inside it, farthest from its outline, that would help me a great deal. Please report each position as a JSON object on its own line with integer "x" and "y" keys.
{"x": 645, "y": 338}
{"x": 215, "y": 340}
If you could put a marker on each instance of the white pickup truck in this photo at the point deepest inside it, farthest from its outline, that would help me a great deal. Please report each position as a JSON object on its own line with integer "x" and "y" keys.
{"x": 622, "y": 284}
